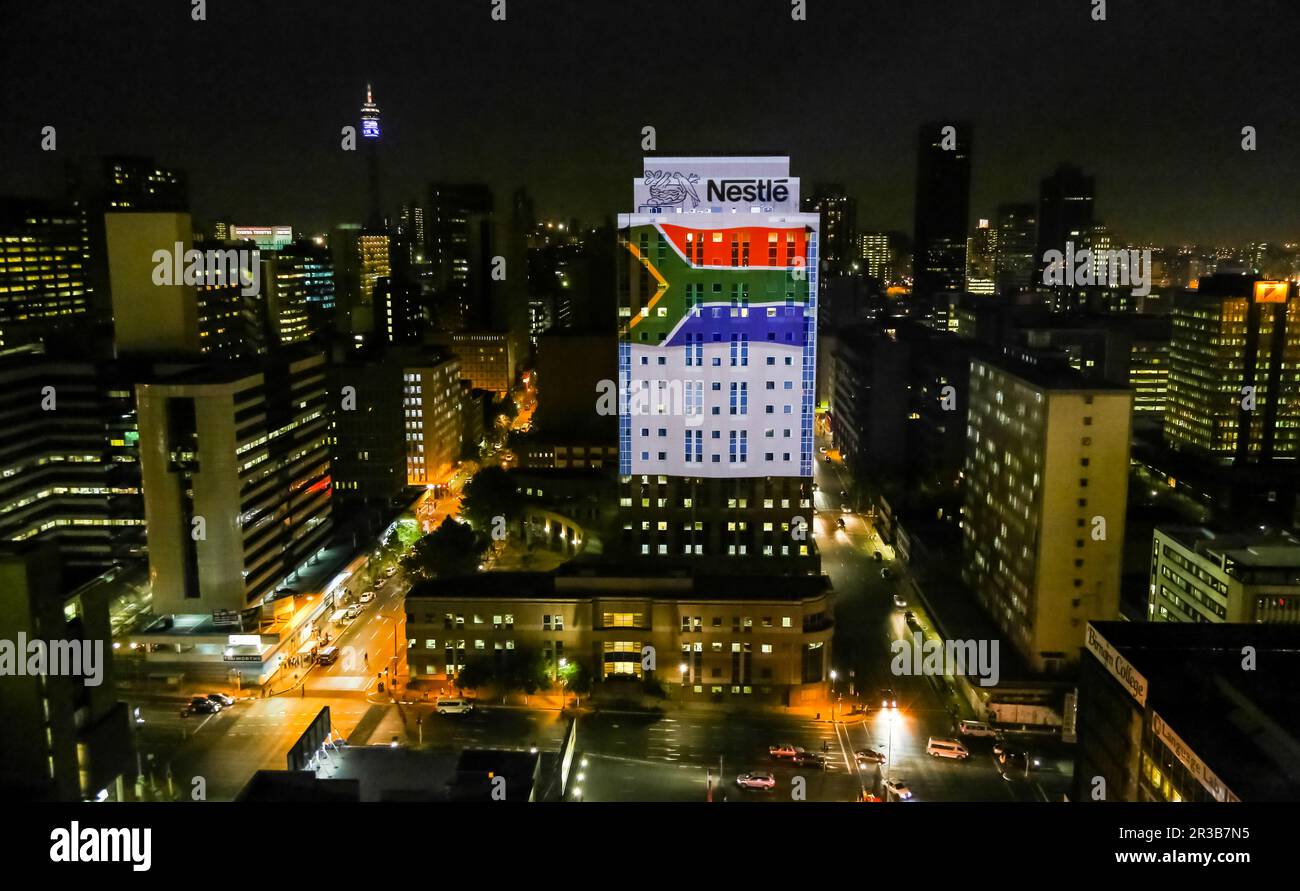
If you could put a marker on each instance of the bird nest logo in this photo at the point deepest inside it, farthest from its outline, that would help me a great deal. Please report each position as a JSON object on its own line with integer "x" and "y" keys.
{"x": 671, "y": 189}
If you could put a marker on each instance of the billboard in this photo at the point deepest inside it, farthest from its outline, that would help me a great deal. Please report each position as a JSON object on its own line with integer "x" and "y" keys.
{"x": 718, "y": 321}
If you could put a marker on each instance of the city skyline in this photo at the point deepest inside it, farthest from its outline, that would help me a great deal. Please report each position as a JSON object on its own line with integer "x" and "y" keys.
{"x": 568, "y": 140}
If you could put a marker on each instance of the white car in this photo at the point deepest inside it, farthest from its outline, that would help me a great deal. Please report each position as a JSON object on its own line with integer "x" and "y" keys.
{"x": 368, "y": 596}
{"x": 756, "y": 780}
{"x": 898, "y": 789}
{"x": 899, "y": 601}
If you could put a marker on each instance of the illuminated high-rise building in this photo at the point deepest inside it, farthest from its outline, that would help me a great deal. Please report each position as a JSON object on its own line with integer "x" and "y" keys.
{"x": 838, "y": 225}
{"x": 44, "y": 268}
{"x": 981, "y": 259}
{"x": 1233, "y": 394}
{"x": 1017, "y": 241}
{"x": 717, "y": 364}
{"x": 1047, "y": 455}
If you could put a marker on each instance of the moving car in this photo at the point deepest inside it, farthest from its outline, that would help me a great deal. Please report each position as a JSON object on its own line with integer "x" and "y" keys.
{"x": 898, "y": 788}
{"x": 453, "y": 706}
{"x": 784, "y": 750}
{"x": 756, "y": 780}
{"x": 909, "y": 615}
{"x": 840, "y": 523}
{"x": 870, "y": 756}
{"x": 899, "y": 601}
{"x": 221, "y": 699}
{"x": 200, "y": 706}
{"x": 877, "y": 556}
{"x": 942, "y": 747}
{"x": 885, "y": 573}
{"x": 844, "y": 508}
{"x": 810, "y": 759}
{"x": 368, "y": 596}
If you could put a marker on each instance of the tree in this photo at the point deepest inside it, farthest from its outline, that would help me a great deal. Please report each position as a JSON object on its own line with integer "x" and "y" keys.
{"x": 577, "y": 679}
{"x": 526, "y": 671}
{"x": 478, "y": 672}
{"x": 450, "y": 550}
{"x": 491, "y": 493}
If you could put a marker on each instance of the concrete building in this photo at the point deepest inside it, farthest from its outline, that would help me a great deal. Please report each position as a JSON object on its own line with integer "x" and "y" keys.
{"x": 431, "y": 418}
{"x": 1044, "y": 507}
{"x": 709, "y": 639}
{"x": 66, "y": 736}
{"x": 1168, "y": 712}
{"x": 487, "y": 358}
{"x": 1231, "y": 399}
{"x": 1198, "y": 576}
{"x": 236, "y": 468}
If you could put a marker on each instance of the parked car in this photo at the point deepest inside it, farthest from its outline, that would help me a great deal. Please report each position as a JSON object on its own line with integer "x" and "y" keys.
{"x": 784, "y": 750}
{"x": 870, "y": 756}
{"x": 899, "y": 601}
{"x": 756, "y": 780}
{"x": 975, "y": 728}
{"x": 898, "y": 789}
{"x": 221, "y": 699}
{"x": 942, "y": 747}
{"x": 353, "y": 612}
{"x": 885, "y": 573}
{"x": 390, "y": 572}
{"x": 888, "y": 699}
{"x": 810, "y": 759}
{"x": 368, "y": 596}
{"x": 877, "y": 556}
{"x": 381, "y": 581}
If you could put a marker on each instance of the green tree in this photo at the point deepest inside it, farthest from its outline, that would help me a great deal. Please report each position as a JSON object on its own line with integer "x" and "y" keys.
{"x": 450, "y": 550}
{"x": 577, "y": 679}
{"x": 491, "y": 493}
{"x": 526, "y": 670}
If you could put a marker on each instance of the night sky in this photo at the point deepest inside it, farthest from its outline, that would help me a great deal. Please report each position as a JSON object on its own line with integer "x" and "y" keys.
{"x": 250, "y": 102}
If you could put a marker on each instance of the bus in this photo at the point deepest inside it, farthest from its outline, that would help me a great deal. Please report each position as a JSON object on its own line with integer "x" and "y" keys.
{"x": 328, "y": 655}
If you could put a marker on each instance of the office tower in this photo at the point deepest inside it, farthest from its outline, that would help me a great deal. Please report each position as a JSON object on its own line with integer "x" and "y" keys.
{"x": 942, "y": 212}
{"x": 370, "y": 138}
{"x": 1202, "y": 576}
{"x": 148, "y": 316}
{"x": 876, "y": 255}
{"x": 1017, "y": 240}
{"x": 361, "y": 257}
{"x": 1231, "y": 398}
{"x": 981, "y": 259}
{"x": 69, "y": 471}
{"x": 487, "y": 359}
{"x": 556, "y": 258}
{"x": 869, "y": 405}
{"x": 431, "y": 409}
{"x": 367, "y": 439}
{"x": 44, "y": 270}
{"x": 839, "y": 223}
{"x": 267, "y": 238}
{"x": 1046, "y": 489}
{"x": 759, "y": 640}
{"x": 66, "y": 736}
{"x": 460, "y": 247}
{"x": 236, "y": 469}
{"x": 717, "y": 364}
{"x": 1167, "y": 713}
{"x": 286, "y": 283}
{"x": 410, "y": 227}
{"x": 1065, "y": 213}
{"x": 135, "y": 183}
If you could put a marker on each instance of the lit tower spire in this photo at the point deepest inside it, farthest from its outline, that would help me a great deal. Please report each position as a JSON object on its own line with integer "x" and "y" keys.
{"x": 370, "y": 135}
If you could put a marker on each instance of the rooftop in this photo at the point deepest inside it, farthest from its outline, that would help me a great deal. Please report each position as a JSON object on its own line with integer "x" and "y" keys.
{"x": 1241, "y": 722}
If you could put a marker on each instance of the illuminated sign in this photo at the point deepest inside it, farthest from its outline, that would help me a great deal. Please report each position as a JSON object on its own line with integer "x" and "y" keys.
{"x": 1195, "y": 766}
{"x": 370, "y": 128}
{"x": 762, "y": 190}
{"x": 1119, "y": 667}
{"x": 1271, "y": 292}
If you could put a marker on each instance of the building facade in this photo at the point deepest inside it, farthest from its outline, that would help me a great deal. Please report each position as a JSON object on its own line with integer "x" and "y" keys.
{"x": 1198, "y": 576}
{"x": 704, "y": 639}
{"x": 1046, "y": 488}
